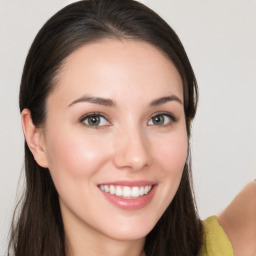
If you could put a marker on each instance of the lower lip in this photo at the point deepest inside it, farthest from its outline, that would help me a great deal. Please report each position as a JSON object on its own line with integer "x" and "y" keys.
{"x": 131, "y": 204}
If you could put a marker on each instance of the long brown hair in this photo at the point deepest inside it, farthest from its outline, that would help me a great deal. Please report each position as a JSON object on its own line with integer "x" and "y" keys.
{"x": 37, "y": 228}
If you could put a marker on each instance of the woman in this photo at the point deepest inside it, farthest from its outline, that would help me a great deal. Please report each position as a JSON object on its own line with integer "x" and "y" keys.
{"x": 109, "y": 73}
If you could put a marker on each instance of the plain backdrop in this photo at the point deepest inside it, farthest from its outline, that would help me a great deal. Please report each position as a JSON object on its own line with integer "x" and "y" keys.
{"x": 220, "y": 40}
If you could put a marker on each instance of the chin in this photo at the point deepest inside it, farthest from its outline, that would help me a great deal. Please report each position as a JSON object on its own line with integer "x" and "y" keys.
{"x": 129, "y": 232}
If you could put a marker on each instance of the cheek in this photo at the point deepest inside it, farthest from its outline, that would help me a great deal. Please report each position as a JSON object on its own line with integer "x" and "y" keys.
{"x": 74, "y": 163}
{"x": 172, "y": 154}
{"x": 74, "y": 155}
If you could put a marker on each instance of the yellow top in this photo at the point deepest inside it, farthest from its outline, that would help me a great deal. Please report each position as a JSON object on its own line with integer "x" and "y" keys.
{"x": 216, "y": 242}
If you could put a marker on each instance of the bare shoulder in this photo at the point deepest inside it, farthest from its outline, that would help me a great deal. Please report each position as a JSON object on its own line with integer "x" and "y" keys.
{"x": 239, "y": 221}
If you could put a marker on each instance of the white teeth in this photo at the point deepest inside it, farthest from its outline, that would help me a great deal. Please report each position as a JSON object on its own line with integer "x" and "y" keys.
{"x": 142, "y": 191}
{"x": 135, "y": 192}
{"x": 112, "y": 190}
{"x": 106, "y": 188}
{"x": 125, "y": 191}
{"x": 119, "y": 191}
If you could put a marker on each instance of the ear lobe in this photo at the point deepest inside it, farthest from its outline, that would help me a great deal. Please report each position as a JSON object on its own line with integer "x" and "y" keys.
{"x": 34, "y": 138}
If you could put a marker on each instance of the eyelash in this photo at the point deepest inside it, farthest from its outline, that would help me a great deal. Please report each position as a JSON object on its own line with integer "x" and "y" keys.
{"x": 94, "y": 114}
{"x": 172, "y": 118}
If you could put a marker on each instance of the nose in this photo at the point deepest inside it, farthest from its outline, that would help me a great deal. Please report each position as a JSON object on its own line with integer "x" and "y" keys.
{"x": 132, "y": 150}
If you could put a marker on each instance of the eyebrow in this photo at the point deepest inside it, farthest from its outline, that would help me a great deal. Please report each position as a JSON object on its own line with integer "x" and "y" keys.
{"x": 111, "y": 103}
{"x": 166, "y": 99}
{"x": 94, "y": 100}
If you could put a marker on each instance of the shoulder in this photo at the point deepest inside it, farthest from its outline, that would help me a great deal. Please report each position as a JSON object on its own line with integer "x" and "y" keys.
{"x": 215, "y": 240}
{"x": 239, "y": 221}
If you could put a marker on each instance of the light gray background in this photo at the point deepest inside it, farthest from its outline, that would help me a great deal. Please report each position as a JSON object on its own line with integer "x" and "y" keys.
{"x": 220, "y": 40}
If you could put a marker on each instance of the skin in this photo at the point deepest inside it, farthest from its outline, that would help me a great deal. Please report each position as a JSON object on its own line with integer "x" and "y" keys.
{"x": 127, "y": 145}
{"x": 79, "y": 157}
{"x": 239, "y": 221}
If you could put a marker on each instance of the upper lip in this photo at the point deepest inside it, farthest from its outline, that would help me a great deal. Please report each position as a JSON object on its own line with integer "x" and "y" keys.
{"x": 133, "y": 183}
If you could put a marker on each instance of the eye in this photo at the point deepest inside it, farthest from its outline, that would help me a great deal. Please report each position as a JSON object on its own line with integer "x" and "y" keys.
{"x": 162, "y": 119}
{"x": 94, "y": 120}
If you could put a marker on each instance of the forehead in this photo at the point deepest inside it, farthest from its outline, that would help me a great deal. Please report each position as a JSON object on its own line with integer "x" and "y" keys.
{"x": 118, "y": 68}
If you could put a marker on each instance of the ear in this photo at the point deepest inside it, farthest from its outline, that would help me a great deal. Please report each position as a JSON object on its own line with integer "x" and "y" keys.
{"x": 35, "y": 138}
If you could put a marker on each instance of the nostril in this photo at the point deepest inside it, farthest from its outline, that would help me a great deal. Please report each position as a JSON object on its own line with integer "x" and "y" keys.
{"x": 132, "y": 151}
{"x": 135, "y": 163}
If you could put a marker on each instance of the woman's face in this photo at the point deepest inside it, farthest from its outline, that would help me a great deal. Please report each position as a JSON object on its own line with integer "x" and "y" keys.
{"x": 115, "y": 138}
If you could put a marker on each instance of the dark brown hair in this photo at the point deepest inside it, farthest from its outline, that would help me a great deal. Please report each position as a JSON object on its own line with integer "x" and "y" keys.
{"x": 37, "y": 229}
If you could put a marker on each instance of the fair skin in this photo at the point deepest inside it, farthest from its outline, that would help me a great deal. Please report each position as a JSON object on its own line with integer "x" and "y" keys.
{"x": 134, "y": 138}
{"x": 80, "y": 158}
{"x": 239, "y": 221}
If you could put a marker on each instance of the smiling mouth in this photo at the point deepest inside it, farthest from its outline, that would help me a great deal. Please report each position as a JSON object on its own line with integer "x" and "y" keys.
{"x": 126, "y": 191}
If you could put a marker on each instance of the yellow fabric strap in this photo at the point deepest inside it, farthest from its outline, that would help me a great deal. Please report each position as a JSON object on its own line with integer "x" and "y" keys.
{"x": 216, "y": 242}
